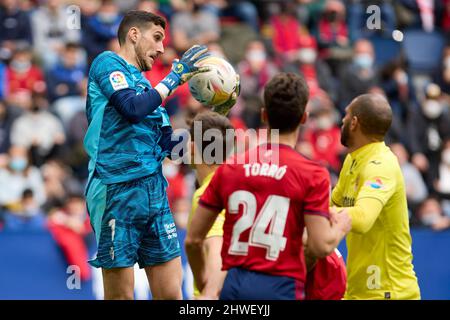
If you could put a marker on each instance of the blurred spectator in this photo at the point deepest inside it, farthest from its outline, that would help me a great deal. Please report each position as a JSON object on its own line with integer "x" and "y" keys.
{"x": 398, "y": 87}
{"x": 18, "y": 176}
{"x": 443, "y": 78}
{"x": 3, "y": 82}
{"x": 15, "y": 27}
{"x": 23, "y": 74}
{"x": 427, "y": 128}
{"x": 416, "y": 190}
{"x": 75, "y": 155}
{"x": 65, "y": 77}
{"x": 99, "y": 28}
{"x": 50, "y": 31}
{"x": 316, "y": 72}
{"x": 431, "y": 215}
{"x": 445, "y": 22}
{"x": 7, "y": 116}
{"x": 359, "y": 75}
{"x": 285, "y": 32}
{"x": 323, "y": 139}
{"x": 66, "y": 107}
{"x": 26, "y": 216}
{"x": 153, "y": 7}
{"x": 245, "y": 11}
{"x": 443, "y": 180}
{"x": 333, "y": 35}
{"x": 68, "y": 227}
{"x": 195, "y": 25}
{"x": 59, "y": 183}
{"x": 38, "y": 129}
{"x": 255, "y": 70}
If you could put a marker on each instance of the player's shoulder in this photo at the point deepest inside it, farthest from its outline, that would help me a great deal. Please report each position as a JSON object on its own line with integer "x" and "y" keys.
{"x": 106, "y": 61}
{"x": 383, "y": 161}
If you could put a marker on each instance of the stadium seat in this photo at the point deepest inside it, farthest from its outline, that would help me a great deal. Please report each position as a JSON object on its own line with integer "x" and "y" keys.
{"x": 386, "y": 49}
{"x": 423, "y": 50}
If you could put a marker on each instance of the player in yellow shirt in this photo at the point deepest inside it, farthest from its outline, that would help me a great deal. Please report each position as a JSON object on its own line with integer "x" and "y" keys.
{"x": 210, "y": 284}
{"x": 372, "y": 190}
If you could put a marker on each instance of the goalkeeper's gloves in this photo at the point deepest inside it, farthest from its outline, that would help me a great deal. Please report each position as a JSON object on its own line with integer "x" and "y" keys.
{"x": 184, "y": 69}
{"x": 225, "y": 107}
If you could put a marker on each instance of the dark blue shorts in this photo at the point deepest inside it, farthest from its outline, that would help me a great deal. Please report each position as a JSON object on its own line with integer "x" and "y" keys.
{"x": 242, "y": 284}
{"x": 132, "y": 222}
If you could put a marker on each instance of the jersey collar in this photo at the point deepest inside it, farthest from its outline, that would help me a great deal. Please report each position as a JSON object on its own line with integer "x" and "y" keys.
{"x": 367, "y": 149}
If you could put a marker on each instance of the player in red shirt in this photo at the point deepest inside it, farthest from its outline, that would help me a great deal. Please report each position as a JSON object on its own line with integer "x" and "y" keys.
{"x": 326, "y": 278}
{"x": 269, "y": 199}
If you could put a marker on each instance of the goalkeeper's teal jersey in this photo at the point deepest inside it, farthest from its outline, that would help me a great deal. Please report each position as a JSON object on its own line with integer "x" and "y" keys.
{"x": 120, "y": 151}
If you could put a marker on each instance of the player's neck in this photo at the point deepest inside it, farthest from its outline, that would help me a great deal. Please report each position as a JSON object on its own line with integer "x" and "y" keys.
{"x": 203, "y": 170}
{"x": 129, "y": 56}
{"x": 363, "y": 141}
{"x": 289, "y": 139}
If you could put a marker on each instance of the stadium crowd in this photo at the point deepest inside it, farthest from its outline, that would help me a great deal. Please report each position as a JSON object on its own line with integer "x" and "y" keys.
{"x": 341, "y": 50}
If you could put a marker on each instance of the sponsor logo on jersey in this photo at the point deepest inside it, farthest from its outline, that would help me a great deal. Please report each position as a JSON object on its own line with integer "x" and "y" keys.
{"x": 375, "y": 184}
{"x": 118, "y": 80}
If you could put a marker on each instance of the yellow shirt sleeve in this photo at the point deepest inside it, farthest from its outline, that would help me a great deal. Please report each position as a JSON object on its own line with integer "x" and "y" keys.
{"x": 217, "y": 228}
{"x": 337, "y": 194}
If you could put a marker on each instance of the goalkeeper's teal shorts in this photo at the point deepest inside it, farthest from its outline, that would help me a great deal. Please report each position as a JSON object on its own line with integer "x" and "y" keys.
{"x": 132, "y": 222}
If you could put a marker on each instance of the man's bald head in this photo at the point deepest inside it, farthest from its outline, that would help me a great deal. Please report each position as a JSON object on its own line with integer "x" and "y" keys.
{"x": 374, "y": 114}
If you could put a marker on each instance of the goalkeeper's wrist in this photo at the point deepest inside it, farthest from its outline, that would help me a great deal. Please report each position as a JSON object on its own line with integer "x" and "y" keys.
{"x": 168, "y": 85}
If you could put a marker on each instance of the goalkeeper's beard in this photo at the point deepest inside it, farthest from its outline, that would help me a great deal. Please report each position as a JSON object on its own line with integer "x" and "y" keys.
{"x": 140, "y": 58}
{"x": 345, "y": 135}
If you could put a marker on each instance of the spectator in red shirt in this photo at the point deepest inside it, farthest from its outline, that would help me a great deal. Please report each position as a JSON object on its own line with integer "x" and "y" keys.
{"x": 324, "y": 137}
{"x": 333, "y": 34}
{"x": 22, "y": 74}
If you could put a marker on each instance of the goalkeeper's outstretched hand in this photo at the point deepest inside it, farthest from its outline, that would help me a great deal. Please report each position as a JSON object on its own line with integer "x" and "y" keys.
{"x": 185, "y": 68}
{"x": 224, "y": 108}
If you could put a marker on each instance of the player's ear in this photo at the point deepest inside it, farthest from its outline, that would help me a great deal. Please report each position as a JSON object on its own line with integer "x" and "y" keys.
{"x": 264, "y": 115}
{"x": 304, "y": 117}
{"x": 133, "y": 34}
{"x": 354, "y": 123}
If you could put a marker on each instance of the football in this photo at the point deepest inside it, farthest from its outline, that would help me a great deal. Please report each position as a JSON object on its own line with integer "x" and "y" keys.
{"x": 214, "y": 87}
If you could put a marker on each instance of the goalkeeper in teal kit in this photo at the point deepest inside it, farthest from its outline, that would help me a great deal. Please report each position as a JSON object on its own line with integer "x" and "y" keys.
{"x": 128, "y": 137}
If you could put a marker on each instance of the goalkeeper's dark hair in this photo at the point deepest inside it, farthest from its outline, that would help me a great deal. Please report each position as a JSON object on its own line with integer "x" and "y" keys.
{"x": 139, "y": 19}
{"x": 212, "y": 120}
{"x": 285, "y": 99}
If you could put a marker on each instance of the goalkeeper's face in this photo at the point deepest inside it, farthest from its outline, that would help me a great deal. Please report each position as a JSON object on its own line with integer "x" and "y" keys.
{"x": 149, "y": 46}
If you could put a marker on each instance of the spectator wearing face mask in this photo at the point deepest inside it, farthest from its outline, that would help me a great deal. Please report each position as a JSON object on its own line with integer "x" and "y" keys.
{"x": 18, "y": 176}
{"x": 428, "y": 127}
{"x": 22, "y": 74}
{"x": 315, "y": 71}
{"x": 360, "y": 75}
{"x": 333, "y": 35}
{"x": 39, "y": 130}
{"x": 26, "y": 216}
{"x": 324, "y": 138}
{"x": 99, "y": 28}
{"x": 255, "y": 71}
{"x": 416, "y": 190}
{"x": 430, "y": 214}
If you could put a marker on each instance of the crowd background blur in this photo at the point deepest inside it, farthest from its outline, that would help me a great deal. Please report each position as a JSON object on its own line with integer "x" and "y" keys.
{"x": 334, "y": 44}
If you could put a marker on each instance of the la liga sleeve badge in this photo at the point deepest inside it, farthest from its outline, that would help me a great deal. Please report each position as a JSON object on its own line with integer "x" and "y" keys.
{"x": 118, "y": 80}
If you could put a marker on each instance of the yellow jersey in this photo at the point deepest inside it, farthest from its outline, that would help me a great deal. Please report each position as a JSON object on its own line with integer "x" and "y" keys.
{"x": 379, "y": 260}
{"x": 217, "y": 228}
